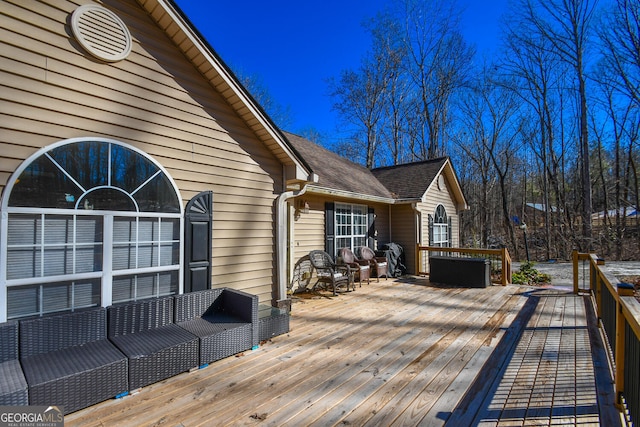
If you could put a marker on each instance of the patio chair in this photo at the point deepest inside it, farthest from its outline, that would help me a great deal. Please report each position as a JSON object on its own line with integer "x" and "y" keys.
{"x": 379, "y": 264}
{"x": 69, "y": 362}
{"x": 328, "y": 273}
{"x": 13, "y": 387}
{"x": 360, "y": 268}
{"x": 156, "y": 347}
{"x": 225, "y": 321}
{"x": 302, "y": 272}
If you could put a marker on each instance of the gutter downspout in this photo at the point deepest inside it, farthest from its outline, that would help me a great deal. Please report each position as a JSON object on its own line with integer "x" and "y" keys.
{"x": 281, "y": 244}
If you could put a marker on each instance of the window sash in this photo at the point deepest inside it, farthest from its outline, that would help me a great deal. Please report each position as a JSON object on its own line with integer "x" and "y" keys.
{"x": 440, "y": 234}
{"x": 351, "y": 225}
{"x": 55, "y": 260}
{"x": 72, "y": 244}
{"x": 48, "y": 298}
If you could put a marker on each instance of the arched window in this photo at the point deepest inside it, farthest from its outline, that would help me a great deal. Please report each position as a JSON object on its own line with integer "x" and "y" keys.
{"x": 440, "y": 227}
{"x": 88, "y": 222}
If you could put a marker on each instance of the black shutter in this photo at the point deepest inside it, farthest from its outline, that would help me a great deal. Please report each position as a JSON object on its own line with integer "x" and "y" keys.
{"x": 197, "y": 240}
{"x": 449, "y": 237}
{"x": 371, "y": 233}
{"x": 430, "y": 219}
{"x": 329, "y": 229}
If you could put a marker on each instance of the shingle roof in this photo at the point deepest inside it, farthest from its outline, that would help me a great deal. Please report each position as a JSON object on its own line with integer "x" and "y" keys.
{"x": 410, "y": 180}
{"x": 337, "y": 172}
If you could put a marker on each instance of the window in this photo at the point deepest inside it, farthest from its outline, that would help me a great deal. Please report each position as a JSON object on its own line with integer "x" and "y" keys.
{"x": 350, "y": 226}
{"x": 440, "y": 228}
{"x": 88, "y": 223}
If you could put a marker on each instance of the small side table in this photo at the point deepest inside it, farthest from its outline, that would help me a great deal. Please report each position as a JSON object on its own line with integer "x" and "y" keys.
{"x": 272, "y": 321}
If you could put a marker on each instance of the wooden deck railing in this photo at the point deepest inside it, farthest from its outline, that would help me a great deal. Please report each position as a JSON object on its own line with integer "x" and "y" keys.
{"x": 618, "y": 313}
{"x": 500, "y": 260}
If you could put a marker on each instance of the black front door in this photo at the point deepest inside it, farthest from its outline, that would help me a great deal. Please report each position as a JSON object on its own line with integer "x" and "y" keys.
{"x": 197, "y": 251}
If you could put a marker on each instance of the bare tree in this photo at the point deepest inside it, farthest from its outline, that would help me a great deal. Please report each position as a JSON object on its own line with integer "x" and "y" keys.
{"x": 280, "y": 114}
{"x": 491, "y": 113}
{"x": 438, "y": 64}
{"x": 618, "y": 78}
{"x": 535, "y": 75}
{"x": 620, "y": 39}
{"x": 360, "y": 96}
{"x": 566, "y": 25}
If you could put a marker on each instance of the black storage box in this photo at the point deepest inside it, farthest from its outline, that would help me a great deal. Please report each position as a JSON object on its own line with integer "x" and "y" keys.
{"x": 470, "y": 272}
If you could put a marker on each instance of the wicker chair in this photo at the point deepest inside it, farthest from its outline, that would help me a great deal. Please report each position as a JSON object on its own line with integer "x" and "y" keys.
{"x": 301, "y": 278}
{"x": 328, "y": 273}
{"x": 156, "y": 347}
{"x": 13, "y": 386}
{"x": 224, "y": 320}
{"x": 360, "y": 268}
{"x": 69, "y": 362}
{"x": 379, "y": 264}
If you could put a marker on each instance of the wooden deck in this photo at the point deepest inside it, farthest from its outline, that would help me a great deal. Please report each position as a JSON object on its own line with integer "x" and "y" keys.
{"x": 397, "y": 353}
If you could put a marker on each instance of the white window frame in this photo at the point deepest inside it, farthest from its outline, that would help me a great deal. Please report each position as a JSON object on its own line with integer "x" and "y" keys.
{"x": 107, "y": 273}
{"x": 354, "y": 231}
{"x": 440, "y": 229}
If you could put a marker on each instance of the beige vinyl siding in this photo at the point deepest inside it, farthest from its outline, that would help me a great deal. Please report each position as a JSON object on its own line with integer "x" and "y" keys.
{"x": 382, "y": 224}
{"x": 403, "y": 232}
{"x": 309, "y": 231}
{"x": 433, "y": 198}
{"x": 155, "y": 100}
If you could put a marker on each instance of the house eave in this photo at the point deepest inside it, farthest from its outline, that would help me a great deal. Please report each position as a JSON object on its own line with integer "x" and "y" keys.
{"x": 332, "y": 192}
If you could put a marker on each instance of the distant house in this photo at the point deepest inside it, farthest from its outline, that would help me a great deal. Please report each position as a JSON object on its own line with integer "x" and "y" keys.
{"x": 132, "y": 162}
{"x": 351, "y": 206}
{"x": 630, "y": 214}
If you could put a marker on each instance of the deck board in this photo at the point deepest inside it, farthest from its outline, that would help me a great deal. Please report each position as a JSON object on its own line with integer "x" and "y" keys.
{"x": 397, "y": 352}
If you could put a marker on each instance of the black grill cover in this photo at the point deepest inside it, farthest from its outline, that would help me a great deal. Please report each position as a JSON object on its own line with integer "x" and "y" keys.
{"x": 395, "y": 259}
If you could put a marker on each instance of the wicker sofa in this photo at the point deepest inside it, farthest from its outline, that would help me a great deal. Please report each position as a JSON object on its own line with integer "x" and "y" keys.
{"x": 155, "y": 346}
{"x": 81, "y": 358}
{"x": 68, "y": 361}
{"x": 13, "y": 386}
{"x": 225, "y": 321}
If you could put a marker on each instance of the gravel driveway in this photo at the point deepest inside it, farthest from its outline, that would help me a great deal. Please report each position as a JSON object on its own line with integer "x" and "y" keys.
{"x": 562, "y": 272}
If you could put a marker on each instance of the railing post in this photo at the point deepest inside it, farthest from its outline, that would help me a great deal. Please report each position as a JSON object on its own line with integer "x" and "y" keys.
{"x": 576, "y": 271}
{"x": 506, "y": 267}
{"x": 624, "y": 290}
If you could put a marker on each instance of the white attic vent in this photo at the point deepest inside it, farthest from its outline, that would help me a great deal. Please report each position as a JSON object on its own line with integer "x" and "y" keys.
{"x": 101, "y": 32}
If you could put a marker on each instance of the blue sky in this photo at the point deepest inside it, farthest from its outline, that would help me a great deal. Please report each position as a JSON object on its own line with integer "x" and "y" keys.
{"x": 295, "y": 46}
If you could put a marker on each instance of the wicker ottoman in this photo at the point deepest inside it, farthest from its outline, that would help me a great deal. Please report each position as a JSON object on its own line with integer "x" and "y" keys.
{"x": 272, "y": 321}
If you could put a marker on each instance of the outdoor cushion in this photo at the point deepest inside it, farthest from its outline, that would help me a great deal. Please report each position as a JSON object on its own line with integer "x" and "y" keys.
{"x": 155, "y": 346}
{"x": 225, "y": 320}
{"x": 68, "y": 361}
{"x": 151, "y": 341}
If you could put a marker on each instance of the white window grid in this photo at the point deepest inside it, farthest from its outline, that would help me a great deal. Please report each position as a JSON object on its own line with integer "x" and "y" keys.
{"x": 351, "y": 225}
{"x": 440, "y": 227}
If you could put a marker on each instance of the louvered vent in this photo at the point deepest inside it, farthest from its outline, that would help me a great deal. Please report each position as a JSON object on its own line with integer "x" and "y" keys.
{"x": 101, "y": 32}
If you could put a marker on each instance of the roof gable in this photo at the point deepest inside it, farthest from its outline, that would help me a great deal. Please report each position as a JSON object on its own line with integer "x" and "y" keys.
{"x": 410, "y": 180}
